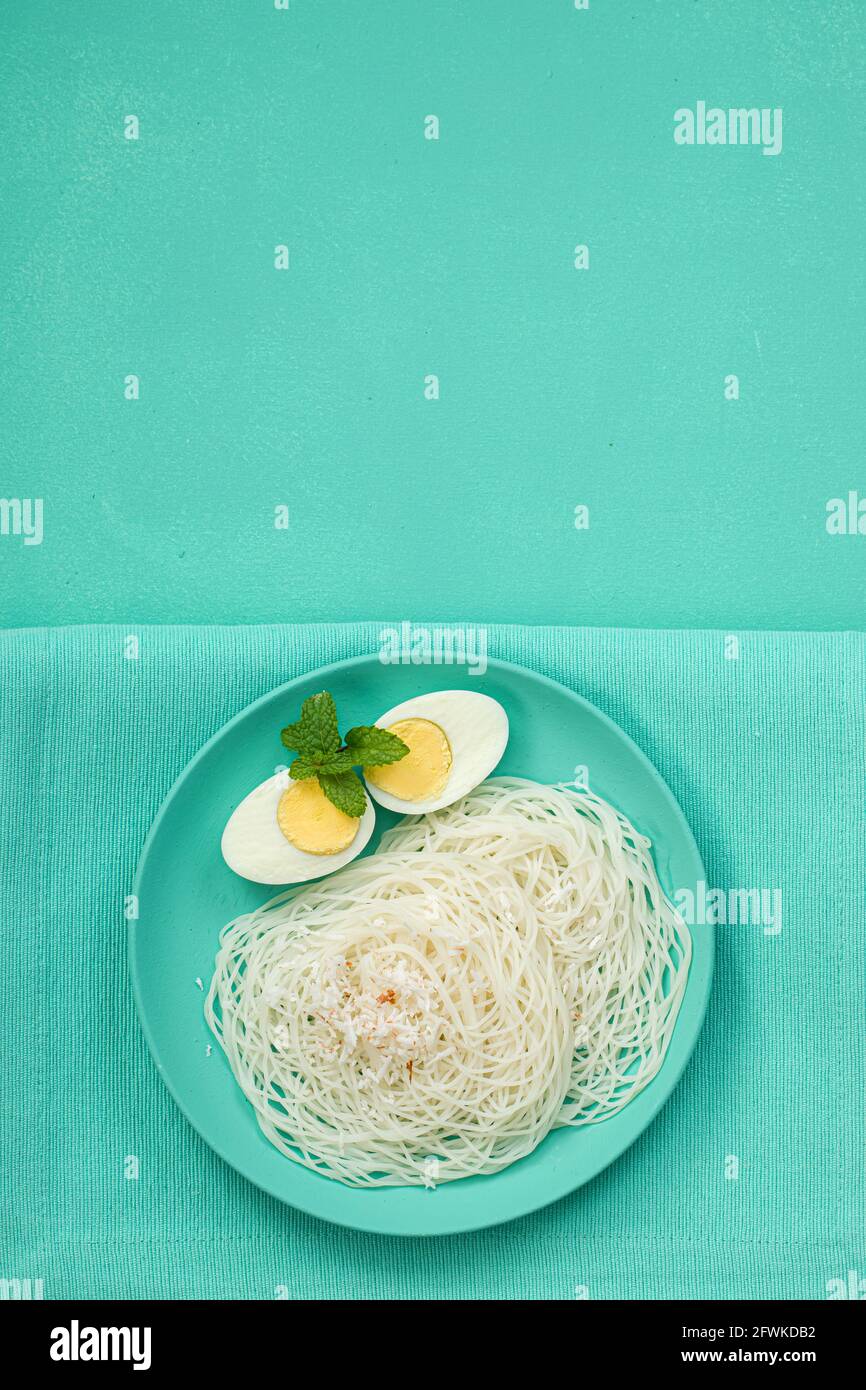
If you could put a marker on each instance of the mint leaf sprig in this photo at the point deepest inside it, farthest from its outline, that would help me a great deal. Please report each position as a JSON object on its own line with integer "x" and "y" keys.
{"x": 321, "y": 753}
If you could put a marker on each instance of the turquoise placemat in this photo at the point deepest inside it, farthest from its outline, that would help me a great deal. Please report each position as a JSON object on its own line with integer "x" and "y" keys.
{"x": 750, "y": 1182}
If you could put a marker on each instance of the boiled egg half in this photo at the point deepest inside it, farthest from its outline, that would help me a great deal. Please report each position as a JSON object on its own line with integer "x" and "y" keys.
{"x": 455, "y": 739}
{"x": 288, "y": 832}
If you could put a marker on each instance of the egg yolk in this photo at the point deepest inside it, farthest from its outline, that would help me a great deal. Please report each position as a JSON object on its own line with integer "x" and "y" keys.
{"x": 311, "y": 822}
{"x": 425, "y": 769}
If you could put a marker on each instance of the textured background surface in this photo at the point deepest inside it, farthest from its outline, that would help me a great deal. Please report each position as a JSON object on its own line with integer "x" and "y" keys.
{"x": 304, "y": 388}
{"x": 765, "y": 754}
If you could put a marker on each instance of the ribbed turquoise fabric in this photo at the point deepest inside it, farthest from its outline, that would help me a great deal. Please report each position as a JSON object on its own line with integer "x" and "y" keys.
{"x": 750, "y": 1182}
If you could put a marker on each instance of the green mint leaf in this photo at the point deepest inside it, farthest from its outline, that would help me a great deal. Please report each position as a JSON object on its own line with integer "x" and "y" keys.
{"x": 371, "y": 746}
{"x": 319, "y": 718}
{"x": 296, "y": 737}
{"x": 315, "y": 733}
{"x": 302, "y": 768}
{"x": 344, "y": 789}
{"x": 331, "y": 764}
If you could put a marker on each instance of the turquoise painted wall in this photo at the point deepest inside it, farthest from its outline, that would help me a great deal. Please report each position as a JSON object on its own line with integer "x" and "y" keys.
{"x": 305, "y": 388}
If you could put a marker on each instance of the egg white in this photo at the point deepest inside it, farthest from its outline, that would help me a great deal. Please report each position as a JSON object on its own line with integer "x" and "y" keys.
{"x": 254, "y": 846}
{"x": 476, "y": 728}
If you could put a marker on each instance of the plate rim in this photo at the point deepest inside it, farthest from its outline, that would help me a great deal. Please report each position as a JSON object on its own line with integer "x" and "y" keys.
{"x": 373, "y": 1226}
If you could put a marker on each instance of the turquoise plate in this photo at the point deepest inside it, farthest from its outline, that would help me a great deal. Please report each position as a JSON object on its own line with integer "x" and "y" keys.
{"x": 186, "y": 893}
